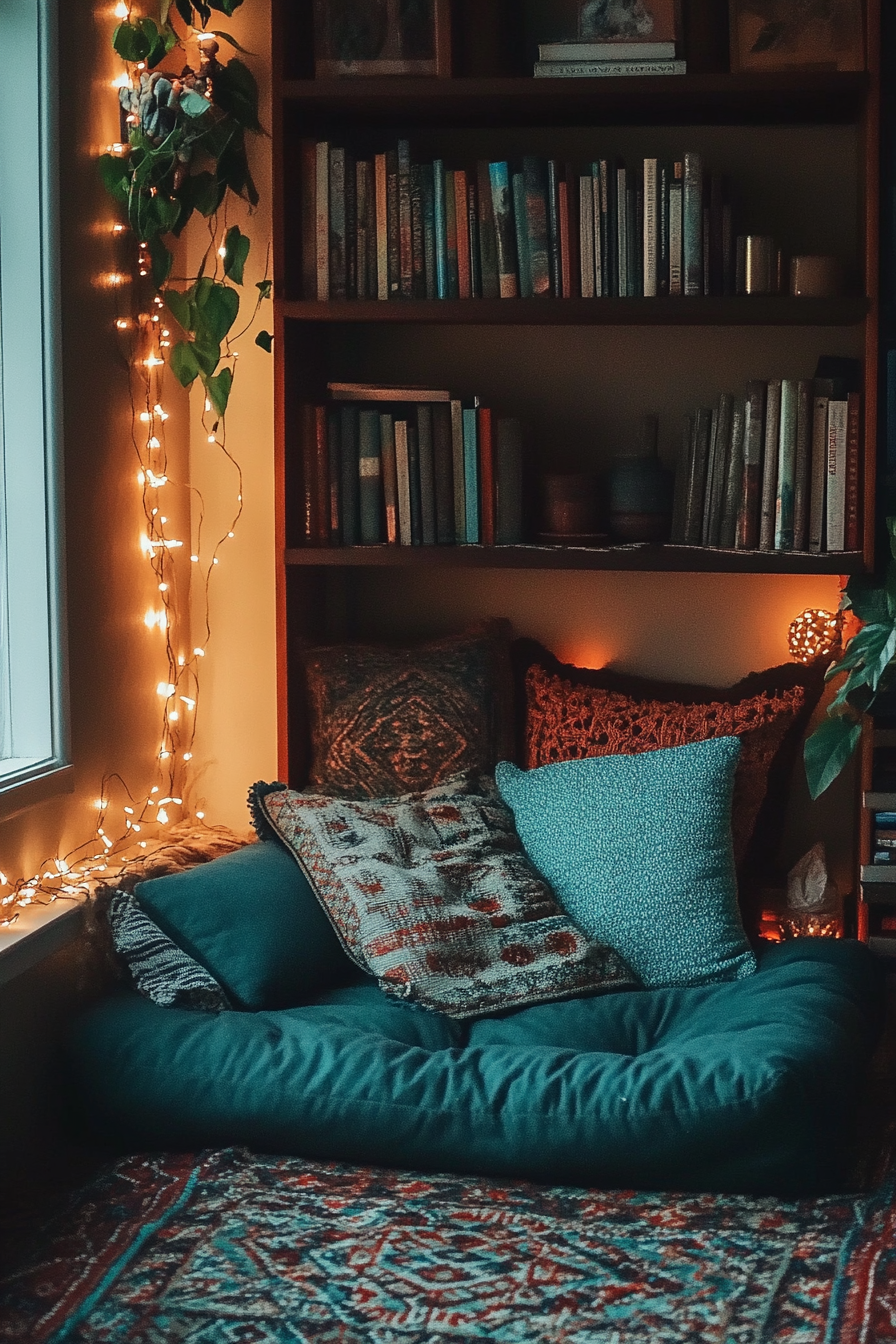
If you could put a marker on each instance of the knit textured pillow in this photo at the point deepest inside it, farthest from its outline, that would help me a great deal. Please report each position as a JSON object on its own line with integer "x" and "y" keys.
{"x": 385, "y": 722}
{"x": 433, "y": 894}
{"x": 160, "y": 969}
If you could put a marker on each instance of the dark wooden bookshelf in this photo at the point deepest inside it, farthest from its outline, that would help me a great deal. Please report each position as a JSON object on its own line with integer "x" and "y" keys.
{"x": 758, "y": 310}
{"x": 641, "y": 557}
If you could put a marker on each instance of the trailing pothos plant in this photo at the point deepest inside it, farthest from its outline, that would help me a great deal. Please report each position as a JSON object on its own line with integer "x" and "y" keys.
{"x": 867, "y": 667}
{"x": 186, "y": 149}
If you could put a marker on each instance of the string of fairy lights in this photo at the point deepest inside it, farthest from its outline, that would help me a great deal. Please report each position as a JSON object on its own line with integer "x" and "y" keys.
{"x": 132, "y": 825}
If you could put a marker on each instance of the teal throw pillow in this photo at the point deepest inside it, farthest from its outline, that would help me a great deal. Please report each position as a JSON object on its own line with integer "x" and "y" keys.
{"x": 638, "y": 851}
{"x": 251, "y": 919}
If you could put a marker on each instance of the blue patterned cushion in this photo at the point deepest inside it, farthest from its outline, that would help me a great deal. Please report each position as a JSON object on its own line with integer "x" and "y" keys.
{"x": 638, "y": 851}
{"x": 433, "y": 894}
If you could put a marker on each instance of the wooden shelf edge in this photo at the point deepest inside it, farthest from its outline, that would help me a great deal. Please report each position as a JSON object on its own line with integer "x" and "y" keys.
{"x": 656, "y": 559}
{"x": 760, "y": 310}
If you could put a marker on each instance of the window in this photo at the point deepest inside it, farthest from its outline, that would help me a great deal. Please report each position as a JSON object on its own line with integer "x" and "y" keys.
{"x": 32, "y": 728}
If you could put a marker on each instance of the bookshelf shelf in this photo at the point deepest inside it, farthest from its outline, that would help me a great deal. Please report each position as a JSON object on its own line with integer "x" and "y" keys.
{"x": 655, "y": 559}
{"x": 758, "y": 310}
{"x": 789, "y": 98}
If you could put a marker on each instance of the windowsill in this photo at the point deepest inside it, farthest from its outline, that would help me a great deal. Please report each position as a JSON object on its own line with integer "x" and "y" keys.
{"x": 16, "y": 798}
{"x": 39, "y": 931}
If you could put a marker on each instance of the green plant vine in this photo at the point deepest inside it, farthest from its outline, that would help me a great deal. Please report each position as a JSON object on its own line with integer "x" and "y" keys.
{"x": 185, "y": 150}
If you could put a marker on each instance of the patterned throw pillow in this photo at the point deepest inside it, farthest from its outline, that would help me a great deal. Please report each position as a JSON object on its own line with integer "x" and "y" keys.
{"x": 433, "y": 894}
{"x": 160, "y": 969}
{"x": 386, "y": 722}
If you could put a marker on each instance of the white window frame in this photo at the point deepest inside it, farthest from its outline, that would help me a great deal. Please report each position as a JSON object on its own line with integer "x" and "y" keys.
{"x": 34, "y": 748}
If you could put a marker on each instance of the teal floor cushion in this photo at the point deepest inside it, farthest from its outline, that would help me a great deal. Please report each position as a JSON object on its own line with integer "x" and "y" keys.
{"x": 749, "y": 1085}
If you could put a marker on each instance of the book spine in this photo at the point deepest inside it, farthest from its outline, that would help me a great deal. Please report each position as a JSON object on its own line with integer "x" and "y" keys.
{"x": 770, "y": 466}
{"x": 405, "y": 223}
{"x": 622, "y": 231}
{"x": 802, "y": 465}
{"x": 706, "y": 281}
{"x": 786, "y": 465}
{"x": 554, "y": 229}
{"x": 575, "y": 259}
{"x": 440, "y": 225}
{"x": 853, "y": 528}
{"x": 349, "y": 459}
{"x": 662, "y": 229}
{"x": 838, "y": 414}
{"x": 608, "y": 215}
{"x": 651, "y": 229}
{"x": 606, "y": 69}
{"x": 414, "y": 484}
{"x": 462, "y": 231}
{"x": 486, "y": 475}
{"x": 322, "y": 221}
{"x": 720, "y": 475}
{"x": 606, "y": 51}
{"x": 458, "y": 472}
{"x": 321, "y": 478}
{"x": 682, "y": 481}
{"x": 692, "y": 224}
{"x": 586, "y": 236}
{"x": 597, "y": 231}
{"x": 751, "y": 499}
{"x": 712, "y": 467}
{"x": 418, "y": 250}
{"x": 473, "y": 236}
{"x": 427, "y": 476}
{"x": 351, "y": 228}
{"x": 369, "y": 476}
{"x": 451, "y": 234}
{"x": 676, "y": 232}
{"x": 308, "y": 159}
{"x": 635, "y": 219}
{"x": 522, "y": 235}
{"x": 429, "y": 232}
{"x": 819, "y": 470}
{"x": 734, "y": 483}
{"x": 536, "y": 217}
{"x": 309, "y": 476}
{"x": 565, "y": 245}
{"x": 390, "y": 476}
{"x": 393, "y": 215}
{"x": 471, "y": 475}
{"x": 337, "y": 223}
{"x": 334, "y": 458}
{"x": 444, "y": 475}
{"x": 362, "y": 249}
{"x": 488, "y": 242}
{"x": 403, "y": 476}
{"x": 693, "y": 531}
{"x": 381, "y": 186}
{"x": 508, "y": 483}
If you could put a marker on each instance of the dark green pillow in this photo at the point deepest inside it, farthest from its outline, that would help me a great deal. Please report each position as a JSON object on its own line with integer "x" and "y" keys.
{"x": 251, "y": 919}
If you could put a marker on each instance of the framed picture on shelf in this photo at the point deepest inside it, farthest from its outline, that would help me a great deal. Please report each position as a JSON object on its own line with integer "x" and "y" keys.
{"x": 796, "y": 35}
{"x": 382, "y": 37}
{"x": 629, "y": 21}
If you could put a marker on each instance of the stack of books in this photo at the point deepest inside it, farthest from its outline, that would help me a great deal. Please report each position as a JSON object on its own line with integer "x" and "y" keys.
{"x": 778, "y": 469}
{"x": 391, "y": 228}
{"x": 407, "y": 466}
{"x": 595, "y": 60}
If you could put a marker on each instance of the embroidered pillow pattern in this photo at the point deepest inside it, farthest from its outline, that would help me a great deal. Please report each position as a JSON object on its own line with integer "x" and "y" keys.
{"x": 434, "y": 895}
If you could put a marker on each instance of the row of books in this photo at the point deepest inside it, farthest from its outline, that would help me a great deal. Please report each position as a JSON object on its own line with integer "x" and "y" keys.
{"x": 883, "y": 845}
{"x": 594, "y": 60}
{"x": 409, "y": 467}
{"x": 389, "y": 228}
{"x": 778, "y": 469}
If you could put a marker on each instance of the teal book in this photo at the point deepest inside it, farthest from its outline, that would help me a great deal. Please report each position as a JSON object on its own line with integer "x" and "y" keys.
{"x": 505, "y": 232}
{"x": 522, "y": 235}
{"x": 451, "y": 236}
{"x": 537, "y": 226}
{"x": 488, "y": 243}
{"x": 427, "y": 475}
{"x": 370, "y": 475}
{"x": 786, "y": 464}
{"x": 440, "y": 229}
{"x": 692, "y": 225}
{"x": 471, "y": 475}
{"x": 414, "y": 485}
{"x": 349, "y": 458}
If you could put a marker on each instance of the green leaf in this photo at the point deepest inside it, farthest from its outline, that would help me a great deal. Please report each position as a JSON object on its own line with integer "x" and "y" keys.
{"x": 161, "y": 261}
{"x": 185, "y": 10}
{"x": 233, "y": 169}
{"x": 225, "y": 6}
{"x": 219, "y": 32}
{"x": 891, "y": 532}
{"x": 133, "y": 41}
{"x": 207, "y": 352}
{"x": 218, "y": 389}
{"x": 827, "y": 751}
{"x": 236, "y": 250}
{"x": 265, "y": 340}
{"x": 116, "y": 175}
{"x": 204, "y": 192}
{"x": 216, "y": 306}
{"x": 865, "y": 596}
{"x": 183, "y": 363}
{"x": 264, "y": 288}
{"x": 236, "y": 93}
{"x": 194, "y": 104}
{"x": 179, "y": 306}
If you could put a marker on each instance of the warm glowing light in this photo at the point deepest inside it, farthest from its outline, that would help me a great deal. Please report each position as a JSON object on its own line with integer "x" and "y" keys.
{"x": 122, "y": 82}
{"x": 130, "y": 811}
{"x": 166, "y": 688}
{"x": 230, "y": 534}
{"x": 188, "y": 755}
{"x": 122, "y": 324}
{"x": 212, "y": 439}
{"x": 153, "y": 362}
{"x": 101, "y": 804}
{"x": 156, "y": 618}
{"x": 113, "y": 279}
{"x": 154, "y": 442}
{"x": 208, "y": 404}
{"x": 121, "y": 10}
{"x": 194, "y": 558}
{"x": 190, "y": 704}
{"x": 163, "y": 587}
{"x": 3, "y": 881}
{"x": 201, "y": 816}
{"x": 155, "y": 481}
{"x": 200, "y": 653}
{"x": 814, "y": 634}
{"x": 222, "y": 251}
{"x": 163, "y": 415}
{"x": 174, "y": 716}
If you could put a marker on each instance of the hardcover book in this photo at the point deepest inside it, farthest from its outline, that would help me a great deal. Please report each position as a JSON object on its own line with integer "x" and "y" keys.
{"x": 390, "y": 476}
{"x": 381, "y": 186}
{"x": 536, "y": 215}
{"x": 786, "y": 465}
{"x": 488, "y": 242}
{"x": 586, "y": 236}
{"x": 754, "y": 429}
{"x": 403, "y": 476}
{"x": 471, "y": 475}
{"x": 692, "y": 224}
{"x": 505, "y": 229}
{"x": 393, "y": 222}
{"x": 802, "y": 465}
{"x": 553, "y": 200}
{"x": 651, "y": 228}
{"x": 322, "y": 221}
{"x": 414, "y": 485}
{"x": 838, "y": 413}
{"x": 853, "y": 529}
{"x": 459, "y": 473}
{"x": 734, "y": 483}
{"x": 606, "y": 69}
{"x": 770, "y": 465}
{"x": 451, "y": 236}
{"x": 676, "y": 231}
{"x": 485, "y": 430}
{"x": 405, "y": 223}
{"x": 522, "y": 235}
{"x": 462, "y": 229}
{"x": 348, "y": 453}
{"x": 321, "y": 477}
{"x": 369, "y": 476}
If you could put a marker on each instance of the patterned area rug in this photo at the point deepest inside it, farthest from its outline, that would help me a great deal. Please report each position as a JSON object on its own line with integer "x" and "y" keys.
{"x": 228, "y": 1247}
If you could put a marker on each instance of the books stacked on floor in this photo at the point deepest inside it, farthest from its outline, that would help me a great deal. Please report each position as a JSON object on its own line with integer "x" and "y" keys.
{"x": 776, "y": 469}
{"x": 596, "y": 60}
{"x": 406, "y": 466}
{"x": 389, "y": 228}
